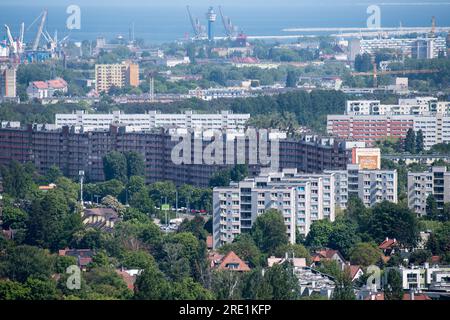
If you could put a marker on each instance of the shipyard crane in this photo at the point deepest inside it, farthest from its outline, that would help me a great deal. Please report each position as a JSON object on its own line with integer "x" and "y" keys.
{"x": 40, "y": 30}
{"x": 199, "y": 30}
{"x": 13, "y": 45}
{"x": 230, "y": 29}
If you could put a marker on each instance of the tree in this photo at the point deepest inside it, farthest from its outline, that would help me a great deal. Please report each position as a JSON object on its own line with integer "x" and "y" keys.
{"x": 40, "y": 290}
{"x": 410, "y": 141}
{"x": 152, "y": 285}
{"x": 344, "y": 287}
{"x": 419, "y": 142}
{"x": 194, "y": 226}
{"x": 17, "y": 179}
{"x": 244, "y": 246}
{"x": 319, "y": 235}
{"x": 221, "y": 178}
{"x": 135, "y": 164}
{"x": 12, "y": 290}
{"x": 227, "y": 284}
{"x": 296, "y": 250}
{"x": 51, "y": 225}
{"x": 432, "y": 209}
{"x": 343, "y": 237}
{"x": 20, "y": 263}
{"x": 269, "y": 231}
{"x": 291, "y": 80}
{"x": 115, "y": 166}
{"x": 419, "y": 257}
{"x": 257, "y": 286}
{"x": 53, "y": 174}
{"x": 14, "y": 218}
{"x": 138, "y": 260}
{"x": 188, "y": 289}
{"x": 283, "y": 281}
{"x": 390, "y": 220}
{"x": 363, "y": 63}
{"x": 365, "y": 254}
{"x": 393, "y": 289}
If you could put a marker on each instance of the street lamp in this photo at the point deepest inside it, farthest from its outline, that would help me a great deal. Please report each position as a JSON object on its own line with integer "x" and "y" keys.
{"x": 81, "y": 175}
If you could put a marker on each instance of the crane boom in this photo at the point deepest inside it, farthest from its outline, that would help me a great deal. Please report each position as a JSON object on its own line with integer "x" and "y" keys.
{"x": 9, "y": 35}
{"x": 225, "y": 25}
{"x": 40, "y": 30}
{"x": 193, "y": 23}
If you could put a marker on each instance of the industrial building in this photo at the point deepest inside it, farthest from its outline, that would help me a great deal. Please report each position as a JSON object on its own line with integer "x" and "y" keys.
{"x": 421, "y": 185}
{"x": 116, "y": 75}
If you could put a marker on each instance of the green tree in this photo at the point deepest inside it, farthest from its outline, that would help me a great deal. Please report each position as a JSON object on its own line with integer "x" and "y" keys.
{"x": 344, "y": 236}
{"x": 344, "y": 287}
{"x": 53, "y": 174}
{"x": 138, "y": 260}
{"x": 152, "y": 285}
{"x": 195, "y": 226}
{"x": 227, "y": 284}
{"x": 17, "y": 179}
{"x": 41, "y": 289}
{"x": 296, "y": 250}
{"x": 20, "y": 263}
{"x": 221, "y": 178}
{"x": 291, "y": 80}
{"x": 390, "y": 220}
{"x": 269, "y": 231}
{"x": 14, "y": 218}
{"x": 188, "y": 289}
{"x": 12, "y": 290}
{"x": 419, "y": 142}
{"x": 365, "y": 254}
{"x": 50, "y": 224}
{"x": 393, "y": 289}
{"x": 410, "y": 141}
{"x": 283, "y": 281}
{"x": 115, "y": 166}
{"x": 257, "y": 286}
{"x": 363, "y": 63}
{"x": 432, "y": 209}
{"x": 319, "y": 235}
{"x": 135, "y": 164}
{"x": 244, "y": 246}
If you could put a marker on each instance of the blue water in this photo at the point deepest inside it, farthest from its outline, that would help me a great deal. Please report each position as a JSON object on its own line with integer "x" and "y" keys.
{"x": 164, "y": 24}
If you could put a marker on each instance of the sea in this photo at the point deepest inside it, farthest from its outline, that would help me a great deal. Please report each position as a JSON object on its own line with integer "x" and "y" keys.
{"x": 161, "y": 24}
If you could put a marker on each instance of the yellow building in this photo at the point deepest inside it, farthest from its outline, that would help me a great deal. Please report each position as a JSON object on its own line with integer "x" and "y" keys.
{"x": 116, "y": 75}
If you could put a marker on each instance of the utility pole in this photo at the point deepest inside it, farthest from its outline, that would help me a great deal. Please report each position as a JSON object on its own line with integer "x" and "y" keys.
{"x": 176, "y": 201}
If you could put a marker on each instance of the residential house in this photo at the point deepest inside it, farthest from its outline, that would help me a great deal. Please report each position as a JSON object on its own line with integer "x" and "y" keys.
{"x": 83, "y": 256}
{"x": 328, "y": 255}
{"x": 100, "y": 218}
{"x": 228, "y": 262}
{"x": 47, "y": 89}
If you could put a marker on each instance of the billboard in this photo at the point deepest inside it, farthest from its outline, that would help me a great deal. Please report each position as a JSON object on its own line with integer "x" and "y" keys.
{"x": 367, "y": 158}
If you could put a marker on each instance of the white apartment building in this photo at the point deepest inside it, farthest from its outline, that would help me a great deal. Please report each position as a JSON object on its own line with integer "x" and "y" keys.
{"x": 422, "y": 277}
{"x": 421, "y": 185}
{"x": 302, "y": 199}
{"x": 154, "y": 119}
{"x": 419, "y": 48}
{"x": 371, "y": 186}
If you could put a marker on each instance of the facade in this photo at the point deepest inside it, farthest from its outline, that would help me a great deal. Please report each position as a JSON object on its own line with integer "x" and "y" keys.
{"x": 8, "y": 83}
{"x": 371, "y": 186}
{"x": 116, "y": 75}
{"x": 302, "y": 199}
{"x": 154, "y": 119}
{"x": 427, "y": 48}
{"x": 73, "y": 149}
{"x": 370, "y": 121}
{"x": 47, "y": 89}
{"x": 434, "y": 182}
{"x": 423, "y": 277}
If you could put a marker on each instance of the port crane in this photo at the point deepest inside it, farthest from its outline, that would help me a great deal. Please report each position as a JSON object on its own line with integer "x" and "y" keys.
{"x": 230, "y": 30}
{"x": 37, "y": 39}
{"x": 199, "y": 29}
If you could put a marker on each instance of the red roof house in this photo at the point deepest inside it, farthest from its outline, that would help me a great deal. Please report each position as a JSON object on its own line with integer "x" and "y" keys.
{"x": 232, "y": 262}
